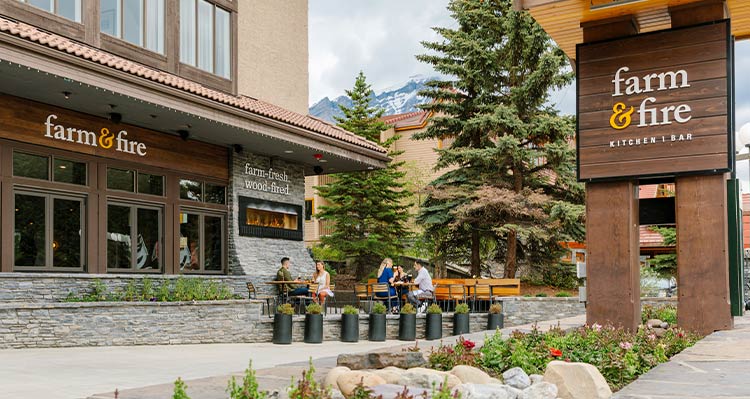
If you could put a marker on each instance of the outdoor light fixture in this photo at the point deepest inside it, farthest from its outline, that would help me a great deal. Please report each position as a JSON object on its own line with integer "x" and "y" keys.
{"x": 612, "y": 3}
{"x": 115, "y": 117}
{"x": 184, "y": 134}
{"x": 288, "y": 151}
{"x": 237, "y": 148}
{"x": 317, "y": 169}
{"x": 66, "y": 94}
{"x": 318, "y": 156}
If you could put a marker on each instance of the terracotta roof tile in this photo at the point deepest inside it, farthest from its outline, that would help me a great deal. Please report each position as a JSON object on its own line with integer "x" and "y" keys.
{"x": 249, "y": 104}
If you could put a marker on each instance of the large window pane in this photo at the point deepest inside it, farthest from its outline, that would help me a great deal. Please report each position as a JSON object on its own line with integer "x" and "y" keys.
{"x": 189, "y": 241}
{"x": 205, "y": 36}
{"x": 150, "y": 184}
{"x": 223, "y": 44}
{"x": 215, "y": 194}
{"x": 118, "y": 237}
{"x": 29, "y": 232}
{"x": 187, "y": 31}
{"x": 29, "y": 165}
{"x": 148, "y": 253}
{"x": 119, "y": 179}
{"x": 212, "y": 238}
{"x": 65, "y": 171}
{"x": 110, "y": 17}
{"x": 46, "y": 5}
{"x": 191, "y": 190}
{"x": 155, "y": 25}
{"x": 132, "y": 21}
{"x": 70, "y": 9}
{"x": 67, "y": 235}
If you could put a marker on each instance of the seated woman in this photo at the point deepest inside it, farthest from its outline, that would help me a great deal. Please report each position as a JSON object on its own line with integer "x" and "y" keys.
{"x": 323, "y": 279}
{"x": 385, "y": 276}
{"x": 400, "y": 277}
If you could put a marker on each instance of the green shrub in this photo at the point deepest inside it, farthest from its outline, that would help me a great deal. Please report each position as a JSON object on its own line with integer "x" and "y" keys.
{"x": 349, "y": 309}
{"x": 408, "y": 309}
{"x": 378, "y": 308}
{"x": 314, "y": 308}
{"x": 434, "y": 309}
{"x": 541, "y": 295}
{"x": 180, "y": 389}
{"x": 185, "y": 289}
{"x": 444, "y": 391}
{"x": 563, "y": 294}
{"x": 249, "y": 387}
{"x": 666, "y": 313}
{"x": 147, "y": 289}
{"x": 527, "y": 295}
{"x": 285, "y": 308}
{"x": 446, "y": 357}
{"x": 462, "y": 308}
{"x": 495, "y": 308}
{"x": 308, "y": 388}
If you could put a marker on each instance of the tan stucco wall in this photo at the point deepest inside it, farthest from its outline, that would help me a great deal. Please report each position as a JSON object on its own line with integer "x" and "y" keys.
{"x": 272, "y": 52}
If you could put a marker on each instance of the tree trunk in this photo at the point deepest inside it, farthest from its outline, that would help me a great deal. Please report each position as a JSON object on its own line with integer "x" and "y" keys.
{"x": 476, "y": 269}
{"x": 510, "y": 260}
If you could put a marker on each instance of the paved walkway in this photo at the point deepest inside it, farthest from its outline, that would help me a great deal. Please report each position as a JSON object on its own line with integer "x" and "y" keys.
{"x": 716, "y": 367}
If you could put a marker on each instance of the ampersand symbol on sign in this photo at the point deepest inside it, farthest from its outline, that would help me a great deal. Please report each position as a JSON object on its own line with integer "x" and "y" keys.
{"x": 620, "y": 118}
{"x": 106, "y": 138}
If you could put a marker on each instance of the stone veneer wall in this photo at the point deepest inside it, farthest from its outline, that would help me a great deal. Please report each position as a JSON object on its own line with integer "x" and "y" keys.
{"x": 260, "y": 257}
{"x": 524, "y": 310}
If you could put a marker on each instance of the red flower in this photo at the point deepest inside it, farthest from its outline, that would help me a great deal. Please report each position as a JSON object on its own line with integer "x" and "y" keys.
{"x": 680, "y": 334}
{"x": 450, "y": 350}
{"x": 555, "y": 352}
{"x": 468, "y": 345}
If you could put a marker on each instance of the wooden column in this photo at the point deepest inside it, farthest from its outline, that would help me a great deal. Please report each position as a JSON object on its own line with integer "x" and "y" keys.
{"x": 702, "y": 254}
{"x": 612, "y": 267}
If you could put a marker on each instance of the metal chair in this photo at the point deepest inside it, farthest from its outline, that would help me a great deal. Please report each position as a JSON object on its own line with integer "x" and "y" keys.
{"x": 361, "y": 294}
{"x": 383, "y": 288}
{"x": 482, "y": 292}
{"x": 253, "y": 294}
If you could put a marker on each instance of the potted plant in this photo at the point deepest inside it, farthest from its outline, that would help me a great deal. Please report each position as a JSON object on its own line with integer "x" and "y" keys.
{"x": 350, "y": 324}
{"x": 461, "y": 319}
{"x": 407, "y": 323}
{"x": 282, "y": 324}
{"x": 314, "y": 324}
{"x": 434, "y": 328}
{"x": 495, "y": 317}
{"x": 376, "y": 329}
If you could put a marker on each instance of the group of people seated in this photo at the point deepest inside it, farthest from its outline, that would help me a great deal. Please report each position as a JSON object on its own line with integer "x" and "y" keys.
{"x": 319, "y": 277}
{"x": 394, "y": 276}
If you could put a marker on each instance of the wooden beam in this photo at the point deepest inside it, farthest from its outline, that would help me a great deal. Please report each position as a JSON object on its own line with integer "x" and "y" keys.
{"x": 519, "y": 5}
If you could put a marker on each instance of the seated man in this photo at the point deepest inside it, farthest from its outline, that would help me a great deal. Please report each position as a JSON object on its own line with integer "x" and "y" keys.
{"x": 424, "y": 290}
{"x": 284, "y": 275}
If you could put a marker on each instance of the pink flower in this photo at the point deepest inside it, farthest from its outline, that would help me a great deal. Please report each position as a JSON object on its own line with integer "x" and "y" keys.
{"x": 651, "y": 337}
{"x": 626, "y": 345}
{"x": 555, "y": 352}
{"x": 596, "y": 327}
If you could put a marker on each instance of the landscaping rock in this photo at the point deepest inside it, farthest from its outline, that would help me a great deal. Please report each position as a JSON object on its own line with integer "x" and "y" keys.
{"x": 577, "y": 380}
{"x": 517, "y": 378}
{"x": 536, "y": 378}
{"x": 540, "y": 390}
{"x": 423, "y": 377}
{"x": 333, "y": 375}
{"x": 389, "y": 391}
{"x": 348, "y": 381}
{"x": 658, "y": 331}
{"x": 471, "y": 375}
{"x": 381, "y": 360}
{"x": 390, "y": 376}
{"x": 336, "y": 394}
{"x": 495, "y": 381}
{"x": 488, "y": 391}
{"x": 664, "y": 325}
{"x": 654, "y": 323}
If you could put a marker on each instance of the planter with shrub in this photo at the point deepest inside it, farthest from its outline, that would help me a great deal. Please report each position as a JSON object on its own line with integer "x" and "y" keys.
{"x": 407, "y": 323}
{"x": 495, "y": 317}
{"x": 434, "y": 328}
{"x": 282, "y": 324}
{"x": 314, "y": 324}
{"x": 350, "y": 324}
{"x": 376, "y": 329}
{"x": 461, "y": 319}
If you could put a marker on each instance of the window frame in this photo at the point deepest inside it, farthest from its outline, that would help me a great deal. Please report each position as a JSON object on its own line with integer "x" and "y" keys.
{"x": 312, "y": 209}
{"x": 134, "y": 228}
{"x": 119, "y": 36}
{"x": 55, "y": 9}
{"x": 231, "y": 11}
{"x": 202, "y": 213}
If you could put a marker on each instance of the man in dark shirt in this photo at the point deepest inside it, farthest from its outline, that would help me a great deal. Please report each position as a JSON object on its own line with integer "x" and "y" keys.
{"x": 284, "y": 275}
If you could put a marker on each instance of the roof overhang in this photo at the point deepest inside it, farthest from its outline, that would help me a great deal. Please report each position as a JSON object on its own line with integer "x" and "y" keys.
{"x": 562, "y": 19}
{"x": 40, "y": 73}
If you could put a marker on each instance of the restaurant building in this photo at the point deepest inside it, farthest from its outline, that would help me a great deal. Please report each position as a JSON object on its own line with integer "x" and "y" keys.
{"x": 159, "y": 137}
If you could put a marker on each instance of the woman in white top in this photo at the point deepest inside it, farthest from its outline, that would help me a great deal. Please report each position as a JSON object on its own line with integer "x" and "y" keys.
{"x": 323, "y": 279}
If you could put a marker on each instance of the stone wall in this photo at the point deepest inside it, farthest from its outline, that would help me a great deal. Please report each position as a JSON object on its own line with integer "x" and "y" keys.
{"x": 524, "y": 310}
{"x": 260, "y": 257}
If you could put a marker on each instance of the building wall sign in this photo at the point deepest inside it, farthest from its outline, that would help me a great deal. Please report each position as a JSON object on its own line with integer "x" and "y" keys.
{"x": 655, "y": 104}
{"x": 105, "y": 139}
{"x": 266, "y": 180}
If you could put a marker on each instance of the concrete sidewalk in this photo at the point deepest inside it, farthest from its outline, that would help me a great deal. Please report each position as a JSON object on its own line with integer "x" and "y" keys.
{"x": 716, "y": 367}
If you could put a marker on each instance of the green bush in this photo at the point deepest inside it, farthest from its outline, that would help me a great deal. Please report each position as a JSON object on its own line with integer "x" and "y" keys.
{"x": 408, "y": 309}
{"x": 462, "y": 308}
{"x": 249, "y": 387}
{"x": 541, "y": 295}
{"x": 308, "y": 388}
{"x": 314, "y": 308}
{"x": 434, "y": 309}
{"x": 323, "y": 252}
{"x": 183, "y": 289}
{"x": 180, "y": 389}
{"x": 285, "y": 308}
{"x": 563, "y": 294}
{"x": 446, "y": 357}
{"x": 378, "y": 308}
{"x": 666, "y": 313}
{"x": 349, "y": 309}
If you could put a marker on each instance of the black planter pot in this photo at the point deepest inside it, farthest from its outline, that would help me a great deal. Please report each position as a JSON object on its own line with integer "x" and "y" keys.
{"x": 494, "y": 321}
{"x": 313, "y": 328}
{"x": 460, "y": 323}
{"x": 349, "y": 327}
{"x": 282, "y": 329}
{"x": 376, "y": 329}
{"x": 407, "y": 327}
{"x": 434, "y": 328}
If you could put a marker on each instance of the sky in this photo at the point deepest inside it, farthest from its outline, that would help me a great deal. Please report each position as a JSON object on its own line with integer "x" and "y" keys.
{"x": 382, "y": 37}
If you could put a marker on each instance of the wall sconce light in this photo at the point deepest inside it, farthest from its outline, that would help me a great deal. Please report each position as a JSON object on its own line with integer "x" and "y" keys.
{"x": 317, "y": 169}
{"x": 184, "y": 134}
{"x": 66, "y": 94}
{"x": 115, "y": 117}
{"x": 237, "y": 148}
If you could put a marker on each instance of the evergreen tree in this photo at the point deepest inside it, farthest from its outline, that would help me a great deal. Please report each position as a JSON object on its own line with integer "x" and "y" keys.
{"x": 511, "y": 166}
{"x": 368, "y": 208}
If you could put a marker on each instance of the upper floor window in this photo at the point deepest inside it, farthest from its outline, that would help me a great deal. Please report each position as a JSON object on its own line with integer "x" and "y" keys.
{"x": 140, "y": 22}
{"x": 205, "y": 37}
{"x": 70, "y": 9}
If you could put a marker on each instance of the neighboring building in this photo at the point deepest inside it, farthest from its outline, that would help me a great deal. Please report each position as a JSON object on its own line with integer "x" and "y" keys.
{"x": 159, "y": 136}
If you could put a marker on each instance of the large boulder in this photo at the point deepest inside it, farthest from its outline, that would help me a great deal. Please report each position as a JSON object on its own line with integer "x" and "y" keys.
{"x": 389, "y": 391}
{"x": 517, "y": 378}
{"x": 333, "y": 375}
{"x": 536, "y": 378}
{"x": 381, "y": 360}
{"x": 444, "y": 376}
{"x": 486, "y": 391}
{"x": 471, "y": 375}
{"x": 577, "y": 380}
{"x": 541, "y": 390}
{"x": 349, "y": 380}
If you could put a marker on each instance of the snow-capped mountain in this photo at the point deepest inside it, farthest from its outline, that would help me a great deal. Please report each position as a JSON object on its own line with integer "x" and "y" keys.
{"x": 395, "y": 100}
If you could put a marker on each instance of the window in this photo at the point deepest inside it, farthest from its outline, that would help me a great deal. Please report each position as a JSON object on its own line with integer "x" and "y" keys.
{"x": 70, "y": 9}
{"x": 201, "y": 238}
{"x": 38, "y": 167}
{"x": 308, "y": 208}
{"x": 140, "y": 22}
{"x": 134, "y": 237}
{"x": 48, "y": 231}
{"x": 202, "y": 192}
{"x": 205, "y": 40}
{"x": 132, "y": 181}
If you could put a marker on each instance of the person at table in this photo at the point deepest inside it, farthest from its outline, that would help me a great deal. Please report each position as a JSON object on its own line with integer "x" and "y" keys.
{"x": 425, "y": 289}
{"x": 284, "y": 275}
{"x": 323, "y": 279}
{"x": 400, "y": 277}
{"x": 385, "y": 276}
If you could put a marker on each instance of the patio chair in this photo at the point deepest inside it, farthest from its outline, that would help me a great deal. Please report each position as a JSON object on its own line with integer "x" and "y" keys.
{"x": 386, "y": 290}
{"x": 482, "y": 292}
{"x": 361, "y": 294}
{"x": 253, "y": 294}
{"x": 456, "y": 293}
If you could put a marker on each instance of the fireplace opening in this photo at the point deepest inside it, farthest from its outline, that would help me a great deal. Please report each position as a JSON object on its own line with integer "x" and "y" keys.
{"x": 269, "y": 219}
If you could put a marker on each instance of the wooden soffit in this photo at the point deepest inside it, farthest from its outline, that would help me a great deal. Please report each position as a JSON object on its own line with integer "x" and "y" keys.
{"x": 562, "y": 19}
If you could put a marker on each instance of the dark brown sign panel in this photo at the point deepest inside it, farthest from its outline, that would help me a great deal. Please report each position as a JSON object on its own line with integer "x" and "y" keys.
{"x": 655, "y": 104}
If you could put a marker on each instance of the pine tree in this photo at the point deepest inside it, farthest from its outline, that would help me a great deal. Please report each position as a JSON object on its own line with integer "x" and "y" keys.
{"x": 368, "y": 208}
{"x": 511, "y": 167}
